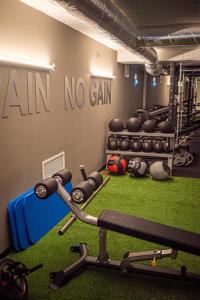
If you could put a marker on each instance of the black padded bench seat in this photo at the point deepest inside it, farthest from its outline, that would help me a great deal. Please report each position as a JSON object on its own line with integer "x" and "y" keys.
{"x": 150, "y": 231}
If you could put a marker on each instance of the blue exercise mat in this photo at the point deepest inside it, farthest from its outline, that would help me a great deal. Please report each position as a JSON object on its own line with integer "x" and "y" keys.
{"x": 23, "y": 238}
{"x": 42, "y": 215}
{"x": 13, "y": 227}
{"x": 14, "y": 224}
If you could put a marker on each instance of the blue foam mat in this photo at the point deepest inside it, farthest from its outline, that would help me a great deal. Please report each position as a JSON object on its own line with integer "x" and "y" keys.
{"x": 12, "y": 219}
{"x": 29, "y": 221}
{"x": 23, "y": 238}
{"x": 42, "y": 215}
{"x": 11, "y": 216}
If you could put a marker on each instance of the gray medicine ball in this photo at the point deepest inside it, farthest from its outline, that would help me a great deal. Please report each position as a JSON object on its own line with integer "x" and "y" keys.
{"x": 137, "y": 167}
{"x": 159, "y": 171}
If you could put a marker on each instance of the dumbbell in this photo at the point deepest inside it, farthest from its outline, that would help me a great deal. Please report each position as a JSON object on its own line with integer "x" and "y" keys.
{"x": 83, "y": 190}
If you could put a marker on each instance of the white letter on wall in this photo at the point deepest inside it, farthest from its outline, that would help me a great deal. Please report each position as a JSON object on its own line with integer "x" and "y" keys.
{"x": 12, "y": 96}
{"x": 107, "y": 92}
{"x": 69, "y": 92}
{"x": 30, "y": 93}
{"x": 93, "y": 93}
{"x": 40, "y": 93}
{"x": 80, "y": 93}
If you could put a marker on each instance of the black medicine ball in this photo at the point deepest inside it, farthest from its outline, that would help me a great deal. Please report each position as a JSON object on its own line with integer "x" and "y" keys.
{"x": 149, "y": 125}
{"x": 165, "y": 126}
{"x": 116, "y": 125}
{"x": 133, "y": 124}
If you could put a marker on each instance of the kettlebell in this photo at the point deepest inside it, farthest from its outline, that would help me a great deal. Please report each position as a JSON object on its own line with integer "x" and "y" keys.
{"x": 112, "y": 143}
{"x": 147, "y": 145}
{"x": 158, "y": 146}
{"x": 166, "y": 145}
{"x": 124, "y": 144}
{"x": 136, "y": 145}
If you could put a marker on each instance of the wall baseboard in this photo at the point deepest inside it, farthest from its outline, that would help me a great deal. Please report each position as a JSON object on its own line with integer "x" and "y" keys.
{"x": 6, "y": 252}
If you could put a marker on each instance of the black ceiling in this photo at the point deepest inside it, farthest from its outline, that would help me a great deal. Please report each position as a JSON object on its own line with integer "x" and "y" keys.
{"x": 162, "y": 17}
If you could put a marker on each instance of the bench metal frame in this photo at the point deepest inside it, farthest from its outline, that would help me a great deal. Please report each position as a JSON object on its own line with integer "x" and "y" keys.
{"x": 127, "y": 264}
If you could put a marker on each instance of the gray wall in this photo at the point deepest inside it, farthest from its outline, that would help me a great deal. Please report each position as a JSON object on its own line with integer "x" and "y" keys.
{"x": 26, "y": 140}
{"x": 159, "y": 94}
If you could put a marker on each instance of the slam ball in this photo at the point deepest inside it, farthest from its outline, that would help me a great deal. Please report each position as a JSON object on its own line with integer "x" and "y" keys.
{"x": 159, "y": 171}
{"x": 116, "y": 165}
{"x": 116, "y": 125}
{"x": 137, "y": 167}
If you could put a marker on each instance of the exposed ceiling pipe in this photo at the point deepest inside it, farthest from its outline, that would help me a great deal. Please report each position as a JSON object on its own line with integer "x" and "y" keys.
{"x": 110, "y": 21}
{"x": 182, "y": 40}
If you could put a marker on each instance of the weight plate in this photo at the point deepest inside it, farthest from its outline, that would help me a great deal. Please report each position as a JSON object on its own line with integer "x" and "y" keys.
{"x": 180, "y": 159}
{"x": 189, "y": 159}
{"x": 13, "y": 286}
{"x": 142, "y": 114}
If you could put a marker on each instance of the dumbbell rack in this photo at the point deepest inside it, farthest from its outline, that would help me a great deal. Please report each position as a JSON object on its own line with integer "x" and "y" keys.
{"x": 169, "y": 156}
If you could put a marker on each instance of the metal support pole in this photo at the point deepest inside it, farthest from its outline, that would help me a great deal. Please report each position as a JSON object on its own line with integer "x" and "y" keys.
{"x": 173, "y": 94}
{"x": 144, "y": 96}
{"x": 103, "y": 255}
{"x": 179, "y": 103}
{"x": 189, "y": 101}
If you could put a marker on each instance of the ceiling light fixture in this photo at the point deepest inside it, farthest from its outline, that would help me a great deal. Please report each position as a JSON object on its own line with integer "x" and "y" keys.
{"x": 154, "y": 82}
{"x": 101, "y": 75}
{"x": 18, "y": 62}
{"x": 135, "y": 81}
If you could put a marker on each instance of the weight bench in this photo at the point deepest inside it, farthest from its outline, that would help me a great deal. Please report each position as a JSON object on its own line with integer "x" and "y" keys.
{"x": 176, "y": 239}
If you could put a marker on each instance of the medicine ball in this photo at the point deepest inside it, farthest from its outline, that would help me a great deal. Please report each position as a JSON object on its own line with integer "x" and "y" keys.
{"x": 159, "y": 171}
{"x": 116, "y": 165}
{"x": 137, "y": 167}
{"x": 116, "y": 125}
{"x": 149, "y": 125}
{"x": 133, "y": 124}
{"x": 165, "y": 126}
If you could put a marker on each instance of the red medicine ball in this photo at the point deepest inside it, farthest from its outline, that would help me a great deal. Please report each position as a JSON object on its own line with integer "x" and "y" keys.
{"x": 116, "y": 164}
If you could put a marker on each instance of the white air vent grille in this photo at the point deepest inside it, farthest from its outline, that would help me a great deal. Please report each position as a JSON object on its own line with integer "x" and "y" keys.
{"x": 53, "y": 164}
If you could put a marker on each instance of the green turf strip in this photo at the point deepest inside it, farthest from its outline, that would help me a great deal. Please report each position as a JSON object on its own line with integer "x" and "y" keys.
{"x": 174, "y": 202}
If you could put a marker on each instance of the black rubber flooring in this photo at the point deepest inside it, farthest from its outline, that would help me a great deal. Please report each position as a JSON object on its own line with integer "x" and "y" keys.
{"x": 192, "y": 171}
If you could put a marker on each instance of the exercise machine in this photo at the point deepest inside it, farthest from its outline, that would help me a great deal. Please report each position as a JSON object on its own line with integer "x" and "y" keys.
{"x": 176, "y": 239}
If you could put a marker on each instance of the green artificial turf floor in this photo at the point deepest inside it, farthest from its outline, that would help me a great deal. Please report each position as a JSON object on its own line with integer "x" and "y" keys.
{"x": 174, "y": 202}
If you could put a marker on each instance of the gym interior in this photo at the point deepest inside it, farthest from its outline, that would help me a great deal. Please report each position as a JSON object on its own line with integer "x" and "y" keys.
{"x": 100, "y": 146}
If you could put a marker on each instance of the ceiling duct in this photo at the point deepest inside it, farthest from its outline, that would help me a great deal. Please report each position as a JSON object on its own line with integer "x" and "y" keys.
{"x": 110, "y": 21}
{"x": 182, "y": 39}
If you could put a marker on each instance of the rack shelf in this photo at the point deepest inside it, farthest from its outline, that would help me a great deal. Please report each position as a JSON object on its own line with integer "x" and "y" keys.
{"x": 150, "y": 154}
{"x": 169, "y": 156}
{"x": 142, "y": 133}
